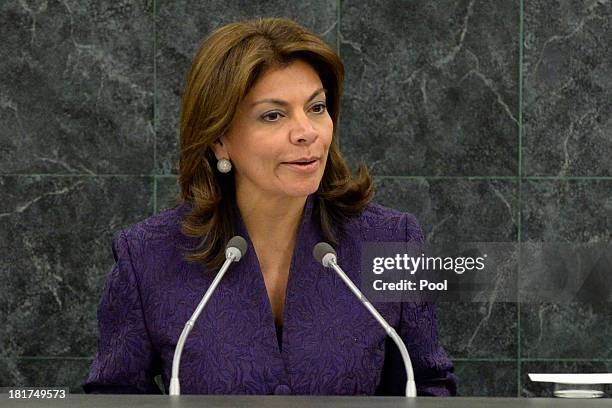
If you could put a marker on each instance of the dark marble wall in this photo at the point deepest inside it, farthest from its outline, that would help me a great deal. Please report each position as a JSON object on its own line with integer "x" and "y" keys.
{"x": 489, "y": 120}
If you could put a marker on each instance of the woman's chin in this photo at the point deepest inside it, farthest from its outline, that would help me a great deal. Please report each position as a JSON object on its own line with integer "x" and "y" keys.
{"x": 301, "y": 191}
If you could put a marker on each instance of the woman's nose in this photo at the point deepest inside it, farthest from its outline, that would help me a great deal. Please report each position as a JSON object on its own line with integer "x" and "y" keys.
{"x": 303, "y": 132}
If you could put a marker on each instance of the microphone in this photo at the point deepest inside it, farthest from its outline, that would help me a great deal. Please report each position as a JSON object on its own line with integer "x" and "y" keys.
{"x": 326, "y": 255}
{"x": 234, "y": 251}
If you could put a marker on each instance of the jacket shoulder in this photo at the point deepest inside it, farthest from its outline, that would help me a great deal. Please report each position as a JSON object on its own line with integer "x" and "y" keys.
{"x": 162, "y": 227}
{"x": 380, "y": 223}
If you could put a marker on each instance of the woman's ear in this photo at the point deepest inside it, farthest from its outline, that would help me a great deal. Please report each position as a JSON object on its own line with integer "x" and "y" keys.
{"x": 219, "y": 149}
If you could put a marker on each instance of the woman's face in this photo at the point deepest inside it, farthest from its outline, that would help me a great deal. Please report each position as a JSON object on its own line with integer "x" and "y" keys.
{"x": 282, "y": 121}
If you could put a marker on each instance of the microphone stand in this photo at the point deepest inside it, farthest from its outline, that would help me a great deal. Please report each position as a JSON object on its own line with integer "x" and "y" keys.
{"x": 329, "y": 260}
{"x": 232, "y": 254}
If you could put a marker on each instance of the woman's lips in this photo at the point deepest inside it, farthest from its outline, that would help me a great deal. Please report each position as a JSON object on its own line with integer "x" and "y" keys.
{"x": 308, "y": 167}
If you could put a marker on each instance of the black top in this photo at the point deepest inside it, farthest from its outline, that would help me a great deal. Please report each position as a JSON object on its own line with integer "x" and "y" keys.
{"x": 279, "y": 335}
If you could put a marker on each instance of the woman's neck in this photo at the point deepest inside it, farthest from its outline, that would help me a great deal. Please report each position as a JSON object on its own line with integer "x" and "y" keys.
{"x": 272, "y": 223}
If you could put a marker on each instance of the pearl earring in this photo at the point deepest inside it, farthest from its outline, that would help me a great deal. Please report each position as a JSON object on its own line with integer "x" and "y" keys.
{"x": 224, "y": 166}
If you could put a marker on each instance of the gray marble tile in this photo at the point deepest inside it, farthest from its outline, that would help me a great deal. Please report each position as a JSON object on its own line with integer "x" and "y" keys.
{"x": 455, "y": 210}
{"x": 486, "y": 378}
{"x": 463, "y": 210}
{"x": 9, "y": 371}
{"x": 566, "y": 211}
{"x": 76, "y": 94}
{"x": 573, "y": 215}
{"x": 478, "y": 330}
{"x": 55, "y": 241}
{"x": 573, "y": 330}
{"x": 167, "y": 190}
{"x": 181, "y": 26}
{"x": 532, "y": 389}
{"x": 51, "y": 373}
{"x": 431, "y": 87}
{"x": 568, "y": 88}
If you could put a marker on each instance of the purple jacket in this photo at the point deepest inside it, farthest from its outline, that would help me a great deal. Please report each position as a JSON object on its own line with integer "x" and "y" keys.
{"x": 331, "y": 345}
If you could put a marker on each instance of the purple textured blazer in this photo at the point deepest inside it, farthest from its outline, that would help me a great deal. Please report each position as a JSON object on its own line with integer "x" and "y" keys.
{"x": 331, "y": 345}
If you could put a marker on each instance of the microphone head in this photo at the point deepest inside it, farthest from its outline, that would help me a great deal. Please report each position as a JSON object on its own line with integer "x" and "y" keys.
{"x": 238, "y": 243}
{"x": 322, "y": 249}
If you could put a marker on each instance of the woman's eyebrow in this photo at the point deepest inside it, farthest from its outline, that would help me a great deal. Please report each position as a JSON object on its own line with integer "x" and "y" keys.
{"x": 285, "y": 103}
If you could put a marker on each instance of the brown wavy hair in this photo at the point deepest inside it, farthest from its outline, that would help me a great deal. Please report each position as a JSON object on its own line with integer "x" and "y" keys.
{"x": 225, "y": 68}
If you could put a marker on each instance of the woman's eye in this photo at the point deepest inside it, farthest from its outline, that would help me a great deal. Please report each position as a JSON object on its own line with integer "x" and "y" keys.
{"x": 319, "y": 108}
{"x": 271, "y": 116}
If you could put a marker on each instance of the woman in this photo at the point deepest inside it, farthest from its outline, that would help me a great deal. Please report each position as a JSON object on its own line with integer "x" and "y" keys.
{"x": 259, "y": 159}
